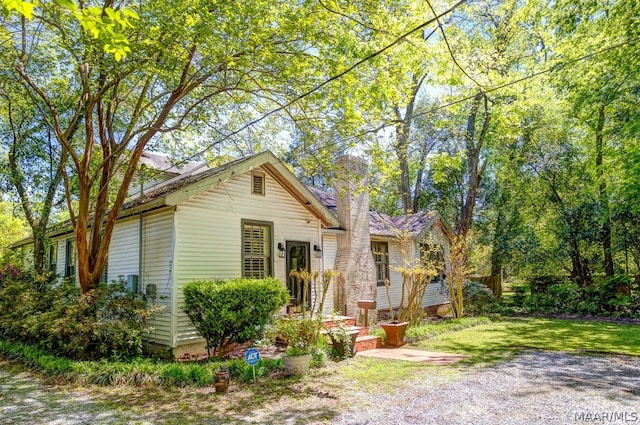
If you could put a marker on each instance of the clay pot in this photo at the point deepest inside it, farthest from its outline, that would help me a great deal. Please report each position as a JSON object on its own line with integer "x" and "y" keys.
{"x": 221, "y": 381}
{"x": 395, "y": 333}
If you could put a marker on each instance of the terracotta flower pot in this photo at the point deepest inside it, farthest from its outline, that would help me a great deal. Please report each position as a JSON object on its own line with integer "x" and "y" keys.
{"x": 395, "y": 333}
{"x": 221, "y": 381}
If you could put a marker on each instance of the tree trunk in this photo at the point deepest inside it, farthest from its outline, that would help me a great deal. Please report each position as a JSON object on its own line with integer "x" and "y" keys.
{"x": 424, "y": 151}
{"x": 38, "y": 220}
{"x": 497, "y": 249}
{"x": 474, "y": 168}
{"x": 602, "y": 193}
{"x": 403, "y": 133}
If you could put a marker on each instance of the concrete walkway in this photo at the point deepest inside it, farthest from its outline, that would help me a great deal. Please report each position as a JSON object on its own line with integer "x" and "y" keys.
{"x": 410, "y": 355}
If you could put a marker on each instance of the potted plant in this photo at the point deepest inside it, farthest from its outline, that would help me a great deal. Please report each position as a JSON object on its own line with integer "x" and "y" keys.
{"x": 300, "y": 335}
{"x": 221, "y": 380}
{"x": 343, "y": 340}
{"x": 394, "y": 329}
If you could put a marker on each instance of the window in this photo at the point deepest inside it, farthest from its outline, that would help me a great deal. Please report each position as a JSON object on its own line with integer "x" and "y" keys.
{"x": 70, "y": 259}
{"x": 256, "y": 249}
{"x": 257, "y": 183}
{"x": 52, "y": 257}
{"x": 380, "y": 252}
{"x": 104, "y": 276}
{"x": 434, "y": 256}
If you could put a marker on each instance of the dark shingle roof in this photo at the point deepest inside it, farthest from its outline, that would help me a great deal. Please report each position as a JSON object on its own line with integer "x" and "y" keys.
{"x": 184, "y": 179}
{"x": 383, "y": 224}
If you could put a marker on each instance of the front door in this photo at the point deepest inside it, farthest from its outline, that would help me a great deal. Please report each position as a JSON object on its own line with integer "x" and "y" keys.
{"x": 298, "y": 260}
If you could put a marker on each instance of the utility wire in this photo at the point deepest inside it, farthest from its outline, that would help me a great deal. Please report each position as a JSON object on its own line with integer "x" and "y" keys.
{"x": 422, "y": 113}
{"x": 530, "y": 76}
{"x": 498, "y": 87}
{"x": 322, "y": 84}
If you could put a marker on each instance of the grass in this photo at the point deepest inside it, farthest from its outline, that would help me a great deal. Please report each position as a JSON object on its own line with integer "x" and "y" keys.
{"x": 336, "y": 387}
{"x": 504, "y": 338}
{"x": 137, "y": 372}
{"x": 432, "y": 329}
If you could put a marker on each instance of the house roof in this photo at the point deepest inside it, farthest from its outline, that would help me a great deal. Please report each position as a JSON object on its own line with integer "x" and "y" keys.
{"x": 194, "y": 180}
{"x": 198, "y": 178}
{"x": 162, "y": 163}
{"x": 381, "y": 224}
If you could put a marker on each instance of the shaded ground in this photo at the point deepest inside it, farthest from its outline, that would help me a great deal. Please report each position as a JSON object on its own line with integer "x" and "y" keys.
{"x": 24, "y": 399}
{"x": 534, "y": 388}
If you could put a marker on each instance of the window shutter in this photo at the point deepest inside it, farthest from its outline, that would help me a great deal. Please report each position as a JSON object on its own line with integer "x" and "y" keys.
{"x": 256, "y": 250}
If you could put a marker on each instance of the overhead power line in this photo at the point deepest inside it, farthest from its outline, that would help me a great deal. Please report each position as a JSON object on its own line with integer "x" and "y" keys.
{"x": 422, "y": 113}
{"x": 322, "y": 84}
{"x": 530, "y": 76}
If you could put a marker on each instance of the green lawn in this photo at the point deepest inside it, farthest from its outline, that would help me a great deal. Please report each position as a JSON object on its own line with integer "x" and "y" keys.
{"x": 320, "y": 396}
{"x": 499, "y": 339}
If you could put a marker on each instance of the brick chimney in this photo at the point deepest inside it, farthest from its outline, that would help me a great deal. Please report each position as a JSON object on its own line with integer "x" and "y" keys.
{"x": 354, "y": 259}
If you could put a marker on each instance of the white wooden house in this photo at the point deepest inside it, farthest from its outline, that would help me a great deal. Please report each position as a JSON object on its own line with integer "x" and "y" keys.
{"x": 250, "y": 217}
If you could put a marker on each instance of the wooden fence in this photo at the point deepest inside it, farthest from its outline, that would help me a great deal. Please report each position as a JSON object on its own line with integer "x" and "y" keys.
{"x": 492, "y": 282}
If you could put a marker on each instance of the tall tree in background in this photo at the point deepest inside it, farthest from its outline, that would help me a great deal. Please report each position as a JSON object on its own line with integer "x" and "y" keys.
{"x": 33, "y": 165}
{"x": 596, "y": 88}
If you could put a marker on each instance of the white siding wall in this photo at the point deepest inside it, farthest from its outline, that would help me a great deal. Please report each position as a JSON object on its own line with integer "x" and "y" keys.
{"x": 61, "y": 256}
{"x": 329, "y": 251}
{"x": 396, "y": 259}
{"x": 123, "y": 250}
{"x": 402, "y": 257}
{"x": 157, "y": 261}
{"x": 26, "y": 251}
{"x": 436, "y": 292}
{"x": 208, "y": 234}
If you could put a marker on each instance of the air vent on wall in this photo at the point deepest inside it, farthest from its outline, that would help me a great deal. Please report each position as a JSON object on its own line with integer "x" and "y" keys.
{"x": 257, "y": 183}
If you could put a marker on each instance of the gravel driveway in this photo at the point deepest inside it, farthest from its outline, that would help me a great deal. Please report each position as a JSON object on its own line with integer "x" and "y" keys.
{"x": 534, "y": 388}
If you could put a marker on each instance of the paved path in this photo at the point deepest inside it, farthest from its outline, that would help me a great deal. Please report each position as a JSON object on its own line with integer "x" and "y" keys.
{"x": 410, "y": 355}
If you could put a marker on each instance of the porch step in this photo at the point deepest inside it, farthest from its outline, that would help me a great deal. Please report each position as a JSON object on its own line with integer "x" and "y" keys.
{"x": 337, "y": 320}
{"x": 368, "y": 342}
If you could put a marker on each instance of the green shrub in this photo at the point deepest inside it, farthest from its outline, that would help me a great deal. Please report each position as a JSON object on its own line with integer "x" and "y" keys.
{"x": 478, "y": 298}
{"x": 106, "y": 322}
{"x": 611, "y": 296}
{"x": 540, "y": 284}
{"x": 558, "y": 298}
{"x": 299, "y": 334}
{"x": 520, "y": 293}
{"x": 228, "y": 311}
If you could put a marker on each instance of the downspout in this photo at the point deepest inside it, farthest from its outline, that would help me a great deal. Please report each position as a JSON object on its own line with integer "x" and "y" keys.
{"x": 140, "y": 227}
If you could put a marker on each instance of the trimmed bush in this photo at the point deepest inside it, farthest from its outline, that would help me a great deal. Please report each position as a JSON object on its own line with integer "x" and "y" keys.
{"x": 232, "y": 311}
{"x": 478, "y": 298}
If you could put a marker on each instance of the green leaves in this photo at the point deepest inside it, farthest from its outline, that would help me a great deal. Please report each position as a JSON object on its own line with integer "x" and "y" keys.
{"x": 234, "y": 310}
{"x": 105, "y": 24}
{"x": 23, "y": 8}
